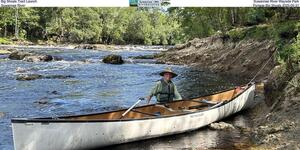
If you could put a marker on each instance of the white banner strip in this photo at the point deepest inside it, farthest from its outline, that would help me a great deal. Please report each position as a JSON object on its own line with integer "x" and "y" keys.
{"x": 211, "y": 3}
{"x": 65, "y": 3}
{"x": 151, "y": 3}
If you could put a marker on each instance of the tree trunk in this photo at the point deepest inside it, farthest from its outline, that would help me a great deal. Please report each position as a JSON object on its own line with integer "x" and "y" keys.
{"x": 5, "y": 30}
{"x": 233, "y": 16}
{"x": 61, "y": 30}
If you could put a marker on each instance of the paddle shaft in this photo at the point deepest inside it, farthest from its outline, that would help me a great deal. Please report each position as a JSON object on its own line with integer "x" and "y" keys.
{"x": 131, "y": 108}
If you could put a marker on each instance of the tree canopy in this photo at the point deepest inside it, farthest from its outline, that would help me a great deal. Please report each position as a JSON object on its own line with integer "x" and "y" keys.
{"x": 133, "y": 25}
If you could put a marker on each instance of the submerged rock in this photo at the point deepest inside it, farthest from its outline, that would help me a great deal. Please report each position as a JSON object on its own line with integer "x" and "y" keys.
{"x": 221, "y": 126}
{"x": 42, "y": 101}
{"x": 113, "y": 59}
{"x": 143, "y": 57}
{"x": 57, "y": 76}
{"x": 28, "y": 77}
{"x": 95, "y": 47}
{"x": 54, "y": 92}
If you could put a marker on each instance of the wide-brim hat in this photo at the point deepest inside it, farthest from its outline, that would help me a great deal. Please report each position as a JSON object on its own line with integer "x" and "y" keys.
{"x": 168, "y": 70}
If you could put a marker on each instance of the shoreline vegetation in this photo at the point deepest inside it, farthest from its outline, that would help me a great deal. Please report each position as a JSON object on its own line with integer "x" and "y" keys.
{"x": 237, "y": 41}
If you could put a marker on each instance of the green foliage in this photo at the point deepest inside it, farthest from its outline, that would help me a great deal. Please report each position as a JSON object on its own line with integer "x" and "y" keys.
{"x": 260, "y": 32}
{"x": 291, "y": 51}
{"x": 237, "y": 34}
{"x": 285, "y": 35}
{"x": 255, "y": 16}
{"x": 151, "y": 27}
{"x": 5, "y": 41}
{"x": 92, "y": 25}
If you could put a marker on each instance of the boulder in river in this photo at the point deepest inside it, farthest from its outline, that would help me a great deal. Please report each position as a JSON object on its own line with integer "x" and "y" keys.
{"x": 18, "y": 55}
{"x": 32, "y": 57}
{"x": 113, "y": 59}
{"x": 38, "y": 58}
{"x": 221, "y": 126}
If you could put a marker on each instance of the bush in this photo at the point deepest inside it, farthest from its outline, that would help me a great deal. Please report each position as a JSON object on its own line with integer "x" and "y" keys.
{"x": 5, "y": 41}
{"x": 237, "y": 34}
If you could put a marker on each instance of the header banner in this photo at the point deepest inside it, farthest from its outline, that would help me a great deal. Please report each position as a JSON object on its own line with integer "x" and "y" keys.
{"x": 149, "y": 3}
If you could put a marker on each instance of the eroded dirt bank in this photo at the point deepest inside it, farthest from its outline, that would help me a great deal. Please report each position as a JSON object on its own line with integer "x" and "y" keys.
{"x": 220, "y": 54}
{"x": 278, "y": 126}
{"x": 276, "y": 122}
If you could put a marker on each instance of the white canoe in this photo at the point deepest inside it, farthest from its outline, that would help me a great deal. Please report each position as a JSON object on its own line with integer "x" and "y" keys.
{"x": 103, "y": 129}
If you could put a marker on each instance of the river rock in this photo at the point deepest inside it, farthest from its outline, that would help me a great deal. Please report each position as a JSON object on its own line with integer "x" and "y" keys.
{"x": 95, "y": 47}
{"x": 32, "y": 57}
{"x": 21, "y": 70}
{"x": 28, "y": 77}
{"x": 38, "y": 58}
{"x": 221, "y": 126}
{"x": 113, "y": 59}
{"x": 85, "y": 46}
{"x": 18, "y": 55}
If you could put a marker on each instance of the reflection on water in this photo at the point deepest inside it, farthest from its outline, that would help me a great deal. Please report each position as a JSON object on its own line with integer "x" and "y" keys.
{"x": 96, "y": 87}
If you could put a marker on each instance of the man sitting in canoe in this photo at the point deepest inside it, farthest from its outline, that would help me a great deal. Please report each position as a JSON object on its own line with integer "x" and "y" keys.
{"x": 165, "y": 90}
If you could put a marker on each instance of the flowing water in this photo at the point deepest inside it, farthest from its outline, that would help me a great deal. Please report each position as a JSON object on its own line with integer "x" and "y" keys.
{"x": 95, "y": 87}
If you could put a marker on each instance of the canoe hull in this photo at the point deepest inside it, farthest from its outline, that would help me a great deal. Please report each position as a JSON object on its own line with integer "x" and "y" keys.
{"x": 93, "y": 134}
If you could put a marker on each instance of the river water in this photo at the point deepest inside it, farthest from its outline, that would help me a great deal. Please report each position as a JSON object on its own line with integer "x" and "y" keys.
{"x": 97, "y": 87}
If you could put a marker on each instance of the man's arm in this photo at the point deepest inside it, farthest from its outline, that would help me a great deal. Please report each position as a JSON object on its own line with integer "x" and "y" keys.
{"x": 153, "y": 92}
{"x": 176, "y": 93}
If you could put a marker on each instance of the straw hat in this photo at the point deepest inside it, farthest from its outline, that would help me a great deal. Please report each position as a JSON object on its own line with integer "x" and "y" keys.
{"x": 168, "y": 70}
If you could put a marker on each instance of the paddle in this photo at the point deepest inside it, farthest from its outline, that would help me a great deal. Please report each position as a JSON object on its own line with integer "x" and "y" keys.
{"x": 128, "y": 110}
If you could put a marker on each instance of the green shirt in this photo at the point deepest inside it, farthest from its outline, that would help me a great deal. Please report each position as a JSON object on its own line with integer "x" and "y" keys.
{"x": 157, "y": 88}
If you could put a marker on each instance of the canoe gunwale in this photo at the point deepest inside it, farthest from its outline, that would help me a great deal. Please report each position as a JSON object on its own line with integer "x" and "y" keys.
{"x": 65, "y": 120}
